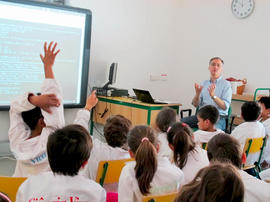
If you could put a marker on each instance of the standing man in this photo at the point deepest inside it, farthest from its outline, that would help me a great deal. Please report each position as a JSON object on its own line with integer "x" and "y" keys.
{"x": 215, "y": 91}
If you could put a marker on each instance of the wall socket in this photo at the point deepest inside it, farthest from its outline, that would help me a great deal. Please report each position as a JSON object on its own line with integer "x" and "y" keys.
{"x": 160, "y": 77}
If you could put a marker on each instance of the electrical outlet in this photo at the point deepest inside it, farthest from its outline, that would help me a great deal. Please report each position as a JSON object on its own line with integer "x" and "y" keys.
{"x": 161, "y": 77}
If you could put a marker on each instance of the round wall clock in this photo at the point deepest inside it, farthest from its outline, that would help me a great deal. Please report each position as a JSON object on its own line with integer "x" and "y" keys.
{"x": 242, "y": 8}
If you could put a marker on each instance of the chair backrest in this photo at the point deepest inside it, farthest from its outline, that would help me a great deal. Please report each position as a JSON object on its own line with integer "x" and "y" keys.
{"x": 204, "y": 145}
{"x": 169, "y": 197}
{"x": 109, "y": 171}
{"x": 10, "y": 185}
{"x": 255, "y": 145}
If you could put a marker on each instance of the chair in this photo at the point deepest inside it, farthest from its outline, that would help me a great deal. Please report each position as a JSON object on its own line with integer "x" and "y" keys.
{"x": 260, "y": 89}
{"x": 10, "y": 185}
{"x": 109, "y": 171}
{"x": 204, "y": 145}
{"x": 168, "y": 197}
{"x": 253, "y": 146}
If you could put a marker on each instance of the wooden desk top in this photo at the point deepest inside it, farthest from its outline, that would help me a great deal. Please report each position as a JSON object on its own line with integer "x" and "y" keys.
{"x": 245, "y": 98}
{"x": 137, "y": 102}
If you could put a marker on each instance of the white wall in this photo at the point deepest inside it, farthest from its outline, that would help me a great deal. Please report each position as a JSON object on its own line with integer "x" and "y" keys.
{"x": 176, "y": 37}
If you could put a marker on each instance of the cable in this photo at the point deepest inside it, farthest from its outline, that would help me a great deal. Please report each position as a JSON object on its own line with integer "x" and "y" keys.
{"x": 7, "y": 157}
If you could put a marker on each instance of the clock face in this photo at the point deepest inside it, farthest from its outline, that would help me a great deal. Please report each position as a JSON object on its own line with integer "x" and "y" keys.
{"x": 242, "y": 8}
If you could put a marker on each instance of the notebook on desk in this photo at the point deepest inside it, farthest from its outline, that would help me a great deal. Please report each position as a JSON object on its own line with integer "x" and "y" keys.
{"x": 145, "y": 96}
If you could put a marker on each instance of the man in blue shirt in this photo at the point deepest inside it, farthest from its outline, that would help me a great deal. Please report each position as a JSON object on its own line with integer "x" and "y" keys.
{"x": 215, "y": 91}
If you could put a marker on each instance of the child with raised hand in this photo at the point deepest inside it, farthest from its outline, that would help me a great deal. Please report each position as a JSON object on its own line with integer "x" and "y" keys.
{"x": 33, "y": 118}
{"x": 187, "y": 155}
{"x": 207, "y": 118}
{"x": 68, "y": 151}
{"x": 165, "y": 119}
{"x": 215, "y": 183}
{"x": 251, "y": 128}
{"x": 149, "y": 174}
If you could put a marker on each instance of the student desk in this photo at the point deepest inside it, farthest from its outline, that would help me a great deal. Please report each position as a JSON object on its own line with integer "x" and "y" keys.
{"x": 137, "y": 112}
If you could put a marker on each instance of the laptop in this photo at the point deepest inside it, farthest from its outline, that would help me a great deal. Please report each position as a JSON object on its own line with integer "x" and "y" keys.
{"x": 145, "y": 96}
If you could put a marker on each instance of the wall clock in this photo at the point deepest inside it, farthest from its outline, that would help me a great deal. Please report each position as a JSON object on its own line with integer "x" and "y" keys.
{"x": 242, "y": 8}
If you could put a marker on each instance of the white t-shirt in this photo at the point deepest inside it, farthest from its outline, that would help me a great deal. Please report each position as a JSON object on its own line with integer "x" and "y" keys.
{"x": 246, "y": 130}
{"x": 102, "y": 151}
{"x": 168, "y": 178}
{"x": 201, "y": 136}
{"x": 54, "y": 187}
{"x": 265, "y": 174}
{"x": 266, "y": 152}
{"x": 164, "y": 149}
{"x": 196, "y": 160}
{"x": 31, "y": 153}
{"x": 255, "y": 190}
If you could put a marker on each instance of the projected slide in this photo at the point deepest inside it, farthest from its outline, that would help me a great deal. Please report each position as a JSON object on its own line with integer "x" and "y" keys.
{"x": 23, "y": 31}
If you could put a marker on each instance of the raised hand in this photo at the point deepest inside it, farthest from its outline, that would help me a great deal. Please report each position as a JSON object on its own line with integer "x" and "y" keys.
{"x": 49, "y": 58}
{"x": 45, "y": 101}
{"x": 198, "y": 88}
{"x": 91, "y": 101}
{"x": 211, "y": 89}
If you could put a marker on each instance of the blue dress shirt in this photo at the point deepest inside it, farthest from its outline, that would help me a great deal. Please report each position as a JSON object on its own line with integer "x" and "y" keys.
{"x": 223, "y": 91}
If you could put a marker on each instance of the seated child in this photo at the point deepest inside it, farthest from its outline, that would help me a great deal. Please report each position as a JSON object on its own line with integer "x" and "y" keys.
{"x": 150, "y": 173}
{"x": 115, "y": 133}
{"x": 187, "y": 155}
{"x": 68, "y": 151}
{"x": 224, "y": 148}
{"x": 251, "y": 128}
{"x": 165, "y": 119}
{"x": 215, "y": 183}
{"x": 33, "y": 118}
{"x": 207, "y": 118}
{"x": 264, "y": 103}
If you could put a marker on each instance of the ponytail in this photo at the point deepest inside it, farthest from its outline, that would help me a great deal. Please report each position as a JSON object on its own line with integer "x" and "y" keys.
{"x": 142, "y": 141}
{"x": 180, "y": 136}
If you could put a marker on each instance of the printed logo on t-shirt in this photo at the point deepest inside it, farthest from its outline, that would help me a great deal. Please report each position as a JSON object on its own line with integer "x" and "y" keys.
{"x": 39, "y": 158}
{"x": 58, "y": 199}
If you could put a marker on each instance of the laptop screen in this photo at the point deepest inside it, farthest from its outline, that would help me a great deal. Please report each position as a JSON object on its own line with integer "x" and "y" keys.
{"x": 144, "y": 96}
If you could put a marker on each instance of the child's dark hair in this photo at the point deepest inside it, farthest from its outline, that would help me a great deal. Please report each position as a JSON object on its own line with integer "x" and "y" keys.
{"x": 116, "y": 129}
{"x": 4, "y": 197}
{"x": 31, "y": 117}
{"x": 180, "y": 136}
{"x": 209, "y": 112}
{"x": 224, "y": 148}
{"x": 214, "y": 183}
{"x": 68, "y": 148}
{"x": 165, "y": 118}
{"x": 266, "y": 101}
{"x": 142, "y": 142}
{"x": 250, "y": 111}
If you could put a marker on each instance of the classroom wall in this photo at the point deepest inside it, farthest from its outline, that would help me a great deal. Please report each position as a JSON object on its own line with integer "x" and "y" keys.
{"x": 173, "y": 37}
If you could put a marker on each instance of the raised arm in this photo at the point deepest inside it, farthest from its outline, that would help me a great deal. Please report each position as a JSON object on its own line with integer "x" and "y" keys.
{"x": 196, "y": 99}
{"x": 49, "y": 58}
{"x": 83, "y": 116}
{"x": 53, "y": 110}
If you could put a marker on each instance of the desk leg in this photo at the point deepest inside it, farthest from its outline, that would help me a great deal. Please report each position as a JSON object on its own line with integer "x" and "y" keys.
{"x": 149, "y": 117}
{"x": 91, "y": 124}
{"x": 176, "y": 108}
